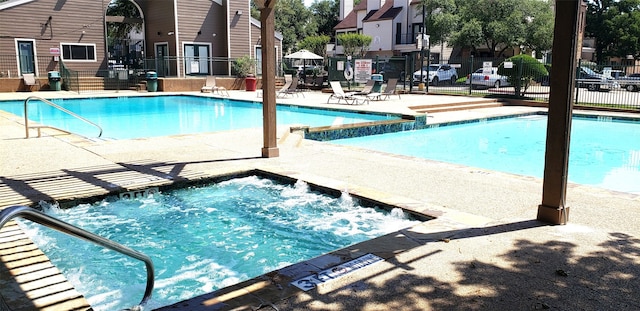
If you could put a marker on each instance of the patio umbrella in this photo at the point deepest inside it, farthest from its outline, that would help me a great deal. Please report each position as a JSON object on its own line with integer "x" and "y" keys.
{"x": 304, "y": 55}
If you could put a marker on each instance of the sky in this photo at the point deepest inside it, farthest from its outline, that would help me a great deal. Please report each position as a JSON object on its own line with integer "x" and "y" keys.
{"x": 308, "y": 3}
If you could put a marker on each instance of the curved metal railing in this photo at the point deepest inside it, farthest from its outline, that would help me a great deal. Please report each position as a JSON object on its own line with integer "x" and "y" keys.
{"x": 26, "y": 114}
{"x": 61, "y": 226}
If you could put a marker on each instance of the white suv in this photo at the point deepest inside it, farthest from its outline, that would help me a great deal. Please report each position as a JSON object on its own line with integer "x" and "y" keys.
{"x": 437, "y": 74}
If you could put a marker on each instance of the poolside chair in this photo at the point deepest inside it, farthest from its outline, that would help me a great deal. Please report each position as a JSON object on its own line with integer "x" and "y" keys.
{"x": 367, "y": 89}
{"x": 389, "y": 90}
{"x": 349, "y": 98}
{"x": 318, "y": 82}
{"x": 30, "y": 80}
{"x": 210, "y": 86}
{"x": 289, "y": 88}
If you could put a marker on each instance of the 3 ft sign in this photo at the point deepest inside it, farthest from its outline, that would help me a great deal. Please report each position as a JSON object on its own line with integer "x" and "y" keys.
{"x": 312, "y": 281}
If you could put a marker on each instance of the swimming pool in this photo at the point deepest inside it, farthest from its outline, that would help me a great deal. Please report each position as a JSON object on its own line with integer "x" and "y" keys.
{"x": 145, "y": 116}
{"x": 203, "y": 238}
{"x": 605, "y": 152}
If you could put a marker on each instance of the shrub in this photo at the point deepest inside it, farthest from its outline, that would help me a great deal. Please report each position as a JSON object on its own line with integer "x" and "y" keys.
{"x": 523, "y": 71}
{"x": 244, "y": 66}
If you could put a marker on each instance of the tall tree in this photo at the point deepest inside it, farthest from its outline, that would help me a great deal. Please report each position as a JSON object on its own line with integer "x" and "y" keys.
{"x": 503, "y": 24}
{"x": 294, "y": 21}
{"x": 325, "y": 14}
{"x": 354, "y": 44}
{"x": 315, "y": 44}
{"x": 615, "y": 25}
{"x": 538, "y": 26}
{"x": 123, "y": 8}
{"x": 440, "y": 19}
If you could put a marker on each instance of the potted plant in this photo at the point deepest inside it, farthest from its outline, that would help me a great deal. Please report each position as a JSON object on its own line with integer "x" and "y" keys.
{"x": 244, "y": 68}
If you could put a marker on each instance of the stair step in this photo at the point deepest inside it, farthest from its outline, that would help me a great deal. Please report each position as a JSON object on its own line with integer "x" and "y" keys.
{"x": 457, "y": 104}
{"x": 454, "y": 107}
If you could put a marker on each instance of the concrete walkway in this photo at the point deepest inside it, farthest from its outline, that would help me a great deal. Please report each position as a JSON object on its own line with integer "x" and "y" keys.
{"x": 484, "y": 251}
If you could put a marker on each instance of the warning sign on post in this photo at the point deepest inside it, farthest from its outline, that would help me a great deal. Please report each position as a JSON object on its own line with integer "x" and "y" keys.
{"x": 362, "y": 70}
{"x": 486, "y": 68}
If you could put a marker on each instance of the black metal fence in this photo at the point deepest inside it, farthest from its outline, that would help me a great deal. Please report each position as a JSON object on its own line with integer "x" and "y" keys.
{"x": 601, "y": 85}
{"x": 597, "y": 85}
{"x": 40, "y": 65}
{"x": 111, "y": 79}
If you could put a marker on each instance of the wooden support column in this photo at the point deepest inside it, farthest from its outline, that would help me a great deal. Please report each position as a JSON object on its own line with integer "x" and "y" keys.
{"x": 267, "y": 34}
{"x": 565, "y": 36}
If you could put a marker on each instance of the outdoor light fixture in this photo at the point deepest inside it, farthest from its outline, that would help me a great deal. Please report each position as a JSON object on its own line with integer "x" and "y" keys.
{"x": 170, "y": 33}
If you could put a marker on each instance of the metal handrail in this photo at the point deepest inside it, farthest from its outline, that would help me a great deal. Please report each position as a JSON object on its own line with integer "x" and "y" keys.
{"x": 61, "y": 226}
{"x": 26, "y": 114}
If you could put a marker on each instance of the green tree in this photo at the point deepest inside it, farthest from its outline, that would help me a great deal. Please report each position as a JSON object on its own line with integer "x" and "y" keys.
{"x": 297, "y": 22}
{"x": 440, "y": 19}
{"x": 123, "y": 8}
{"x": 354, "y": 44}
{"x": 315, "y": 44}
{"x": 325, "y": 15}
{"x": 615, "y": 25}
{"x": 523, "y": 71}
{"x": 538, "y": 26}
{"x": 293, "y": 20}
{"x": 502, "y": 24}
{"x": 244, "y": 66}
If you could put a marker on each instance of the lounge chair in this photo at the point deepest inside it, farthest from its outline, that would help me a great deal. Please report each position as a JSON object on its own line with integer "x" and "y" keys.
{"x": 289, "y": 88}
{"x": 389, "y": 90}
{"x": 210, "y": 86}
{"x": 350, "y": 98}
{"x": 367, "y": 89}
{"x": 295, "y": 87}
{"x": 30, "y": 80}
{"x": 318, "y": 81}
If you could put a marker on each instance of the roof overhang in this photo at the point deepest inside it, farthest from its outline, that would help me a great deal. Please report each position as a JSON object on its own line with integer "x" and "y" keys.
{"x": 12, "y": 3}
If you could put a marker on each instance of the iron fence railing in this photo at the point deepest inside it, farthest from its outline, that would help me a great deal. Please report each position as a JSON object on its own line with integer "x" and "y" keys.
{"x": 171, "y": 66}
{"x": 606, "y": 85}
{"x": 39, "y": 65}
{"x": 610, "y": 85}
{"x": 406, "y": 38}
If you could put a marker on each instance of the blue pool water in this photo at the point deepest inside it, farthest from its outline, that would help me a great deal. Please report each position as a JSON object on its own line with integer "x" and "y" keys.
{"x": 204, "y": 238}
{"x": 604, "y": 152}
{"x": 138, "y": 117}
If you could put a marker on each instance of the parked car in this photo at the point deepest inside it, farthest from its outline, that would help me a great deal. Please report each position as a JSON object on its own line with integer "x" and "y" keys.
{"x": 436, "y": 74}
{"x": 630, "y": 83}
{"x": 493, "y": 79}
{"x": 593, "y": 81}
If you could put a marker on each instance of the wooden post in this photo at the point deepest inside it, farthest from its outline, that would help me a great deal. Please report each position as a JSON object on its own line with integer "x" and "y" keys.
{"x": 267, "y": 34}
{"x": 554, "y": 188}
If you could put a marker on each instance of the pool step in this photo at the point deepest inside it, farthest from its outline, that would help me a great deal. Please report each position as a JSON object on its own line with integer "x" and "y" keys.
{"x": 29, "y": 280}
{"x": 489, "y": 103}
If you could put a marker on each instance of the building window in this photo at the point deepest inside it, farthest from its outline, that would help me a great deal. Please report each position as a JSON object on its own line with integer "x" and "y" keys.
{"x": 78, "y": 52}
{"x": 196, "y": 58}
{"x": 258, "y": 58}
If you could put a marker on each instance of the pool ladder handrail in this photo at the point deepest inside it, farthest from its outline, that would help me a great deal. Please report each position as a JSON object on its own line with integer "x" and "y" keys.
{"x": 26, "y": 116}
{"x": 61, "y": 226}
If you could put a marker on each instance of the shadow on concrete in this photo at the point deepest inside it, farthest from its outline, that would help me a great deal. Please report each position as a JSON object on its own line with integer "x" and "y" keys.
{"x": 96, "y": 180}
{"x": 529, "y": 274}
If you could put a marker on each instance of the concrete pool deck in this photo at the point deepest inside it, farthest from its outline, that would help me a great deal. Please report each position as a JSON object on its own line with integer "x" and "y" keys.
{"x": 485, "y": 250}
